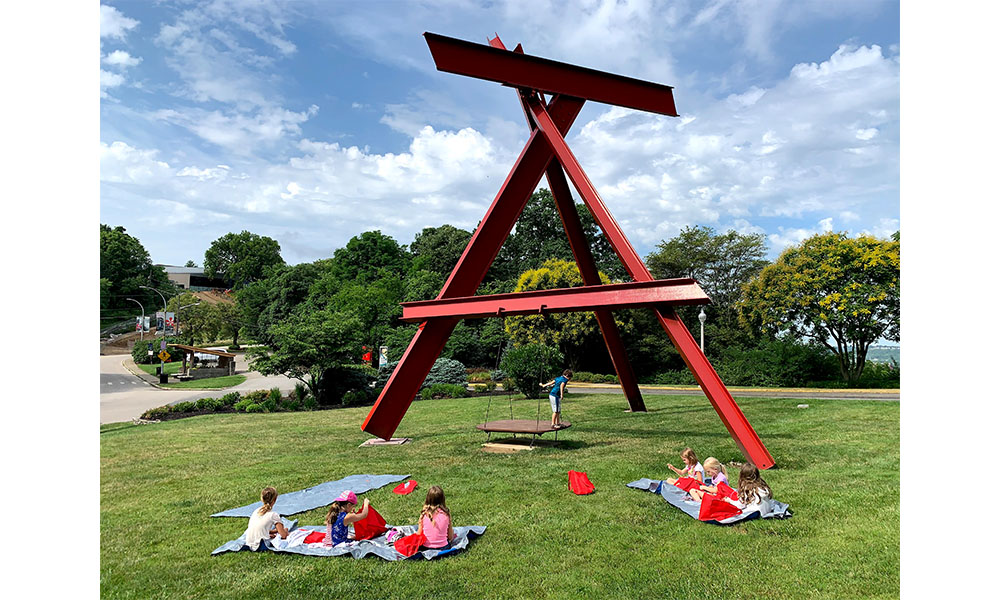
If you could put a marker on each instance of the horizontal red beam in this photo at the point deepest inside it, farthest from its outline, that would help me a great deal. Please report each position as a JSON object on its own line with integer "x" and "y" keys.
{"x": 664, "y": 292}
{"x": 522, "y": 70}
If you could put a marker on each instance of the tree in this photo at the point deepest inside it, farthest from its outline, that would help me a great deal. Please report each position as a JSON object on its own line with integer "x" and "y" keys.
{"x": 367, "y": 256}
{"x": 437, "y": 249}
{"x": 539, "y": 236}
{"x": 198, "y": 321}
{"x": 722, "y": 264}
{"x": 242, "y": 258}
{"x": 126, "y": 265}
{"x": 574, "y": 333}
{"x": 271, "y": 300}
{"x": 842, "y": 292}
{"x": 306, "y": 345}
{"x": 531, "y": 365}
{"x": 231, "y": 319}
{"x": 190, "y": 264}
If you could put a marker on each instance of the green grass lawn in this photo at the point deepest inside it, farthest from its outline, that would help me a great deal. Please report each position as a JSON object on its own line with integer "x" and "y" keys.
{"x": 838, "y": 464}
{"x": 169, "y": 368}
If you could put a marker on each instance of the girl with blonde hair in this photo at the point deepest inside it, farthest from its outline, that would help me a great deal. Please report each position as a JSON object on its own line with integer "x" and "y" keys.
{"x": 264, "y": 522}
{"x": 435, "y": 520}
{"x": 715, "y": 472}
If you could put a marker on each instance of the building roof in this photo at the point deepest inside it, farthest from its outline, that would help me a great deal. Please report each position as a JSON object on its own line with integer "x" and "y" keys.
{"x": 181, "y": 270}
{"x": 203, "y": 350}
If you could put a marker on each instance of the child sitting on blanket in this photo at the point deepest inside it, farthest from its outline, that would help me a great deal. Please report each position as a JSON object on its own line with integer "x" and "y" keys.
{"x": 264, "y": 522}
{"x": 752, "y": 492}
{"x": 340, "y": 516}
{"x": 716, "y": 474}
{"x": 435, "y": 520}
{"x": 692, "y": 475}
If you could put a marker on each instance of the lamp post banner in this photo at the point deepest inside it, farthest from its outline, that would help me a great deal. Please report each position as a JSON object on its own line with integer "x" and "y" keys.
{"x": 159, "y": 322}
{"x": 169, "y": 324}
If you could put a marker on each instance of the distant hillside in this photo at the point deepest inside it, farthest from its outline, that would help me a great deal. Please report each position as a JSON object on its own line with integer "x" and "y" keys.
{"x": 883, "y": 354}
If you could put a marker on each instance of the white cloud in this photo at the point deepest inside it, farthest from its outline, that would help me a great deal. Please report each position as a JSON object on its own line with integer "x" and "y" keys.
{"x": 239, "y": 132}
{"x": 120, "y": 58}
{"x": 114, "y": 24}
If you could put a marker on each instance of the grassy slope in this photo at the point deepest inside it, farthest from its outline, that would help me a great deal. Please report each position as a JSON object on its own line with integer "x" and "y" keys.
{"x": 838, "y": 469}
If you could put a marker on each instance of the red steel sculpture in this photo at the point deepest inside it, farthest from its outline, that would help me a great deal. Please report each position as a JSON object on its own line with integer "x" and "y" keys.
{"x": 546, "y": 153}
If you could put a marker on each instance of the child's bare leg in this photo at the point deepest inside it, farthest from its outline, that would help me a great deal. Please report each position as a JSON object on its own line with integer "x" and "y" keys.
{"x": 696, "y": 494}
{"x": 671, "y": 480}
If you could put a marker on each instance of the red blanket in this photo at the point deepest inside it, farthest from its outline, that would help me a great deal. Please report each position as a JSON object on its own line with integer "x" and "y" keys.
{"x": 714, "y": 508}
{"x": 405, "y": 488}
{"x": 686, "y": 483}
{"x": 408, "y": 545}
{"x": 371, "y": 526}
{"x": 314, "y": 537}
{"x": 579, "y": 483}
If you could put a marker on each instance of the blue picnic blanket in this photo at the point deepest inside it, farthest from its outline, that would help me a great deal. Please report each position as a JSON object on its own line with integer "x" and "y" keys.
{"x": 676, "y": 497}
{"x": 377, "y": 546}
{"x": 317, "y": 496}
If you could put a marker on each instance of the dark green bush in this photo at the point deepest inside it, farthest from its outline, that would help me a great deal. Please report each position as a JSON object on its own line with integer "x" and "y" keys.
{"x": 183, "y": 407}
{"x": 337, "y": 381}
{"x": 269, "y": 404}
{"x": 276, "y": 395}
{"x": 447, "y": 390}
{"x": 478, "y": 375}
{"x": 310, "y": 403}
{"x": 230, "y": 399}
{"x": 531, "y": 365}
{"x": 256, "y": 396}
{"x": 480, "y": 388}
{"x": 209, "y": 404}
{"x": 255, "y": 408}
{"x": 355, "y": 397}
{"x": 445, "y": 370}
{"x": 292, "y": 404}
{"x": 425, "y": 394}
{"x": 243, "y": 404}
{"x": 301, "y": 391}
{"x": 156, "y": 413}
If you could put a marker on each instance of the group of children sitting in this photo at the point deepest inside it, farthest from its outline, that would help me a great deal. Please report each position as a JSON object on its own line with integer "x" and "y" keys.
{"x": 434, "y": 521}
{"x": 751, "y": 490}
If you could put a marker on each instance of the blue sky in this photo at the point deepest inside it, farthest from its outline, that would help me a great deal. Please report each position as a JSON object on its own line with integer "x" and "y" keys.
{"x": 311, "y": 122}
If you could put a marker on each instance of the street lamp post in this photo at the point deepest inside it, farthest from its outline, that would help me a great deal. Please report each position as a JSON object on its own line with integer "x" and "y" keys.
{"x": 142, "y": 319}
{"x": 701, "y": 317}
{"x": 146, "y": 287}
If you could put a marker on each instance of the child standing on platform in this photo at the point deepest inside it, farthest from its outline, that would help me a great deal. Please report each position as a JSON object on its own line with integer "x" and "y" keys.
{"x": 556, "y": 396}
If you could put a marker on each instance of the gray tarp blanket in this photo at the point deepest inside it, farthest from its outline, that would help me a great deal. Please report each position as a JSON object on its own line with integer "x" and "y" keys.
{"x": 317, "y": 496}
{"x": 675, "y": 496}
{"x": 377, "y": 546}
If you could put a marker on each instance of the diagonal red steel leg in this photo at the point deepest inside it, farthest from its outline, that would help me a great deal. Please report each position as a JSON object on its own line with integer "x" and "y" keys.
{"x": 739, "y": 428}
{"x": 426, "y": 346}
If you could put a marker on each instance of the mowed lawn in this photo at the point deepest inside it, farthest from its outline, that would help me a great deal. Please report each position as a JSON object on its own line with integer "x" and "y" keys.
{"x": 838, "y": 464}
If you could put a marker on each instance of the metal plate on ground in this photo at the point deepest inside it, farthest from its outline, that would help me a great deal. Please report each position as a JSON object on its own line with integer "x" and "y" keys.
{"x": 381, "y": 442}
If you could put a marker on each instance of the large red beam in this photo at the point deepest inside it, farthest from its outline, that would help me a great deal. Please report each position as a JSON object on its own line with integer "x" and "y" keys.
{"x": 549, "y": 76}
{"x": 584, "y": 298}
{"x": 725, "y": 406}
{"x": 427, "y": 344}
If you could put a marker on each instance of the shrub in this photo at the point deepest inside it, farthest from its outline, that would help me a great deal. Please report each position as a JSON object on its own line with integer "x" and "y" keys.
{"x": 425, "y": 394}
{"x": 447, "y": 390}
{"x": 610, "y": 379}
{"x": 243, "y": 404}
{"x": 498, "y": 375}
{"x": 257, "y": 396}
{"x": 269, "y": 405}
{"x": 209, "y": 404}
{"x": 301, "y": 391}
{"x": 783, "y": 362}
{"x": 310, "y": 403}
{"x": 292, "y": 404}
{"x": 275, "y": 395}
{"x": 183, "y": 407}
{"x": 156, "y": 413}
{"x": 445, "y": 370}
{"x": 478, "y": 376}
{"x": 355, "y": 397}
{"x": 337, "y": 381}
{"x": 480, "y": 388}
{"x": 255, "y": 408}
{"x": 531, "y": 365}
{"x": 584, "y": 377}
{"x": 230, "y": 399}
{"x": 232, "y": 348}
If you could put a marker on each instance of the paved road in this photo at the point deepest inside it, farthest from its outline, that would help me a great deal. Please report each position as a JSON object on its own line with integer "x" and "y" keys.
{"x": 125, "y": 396}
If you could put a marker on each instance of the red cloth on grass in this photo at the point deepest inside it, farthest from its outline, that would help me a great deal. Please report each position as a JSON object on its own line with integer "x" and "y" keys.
{"x": 714, "y": 508}
{"x": 409, "y": 544}
{"x": 580, "y": 484}
{"x": 405, "y": 488}
{"x": 725, "y": 491}
{"x": 314, "y": 537}
{"x": 371, "y": 526}
{"x": 687, "y": 483}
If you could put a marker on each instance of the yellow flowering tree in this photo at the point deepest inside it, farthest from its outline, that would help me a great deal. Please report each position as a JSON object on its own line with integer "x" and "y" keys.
{"x": 574, "y": 334}
{"x": 841, "y": 291}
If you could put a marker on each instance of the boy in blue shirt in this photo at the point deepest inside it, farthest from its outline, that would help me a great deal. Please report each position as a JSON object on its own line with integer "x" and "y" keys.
{"x": 556, "y": 396}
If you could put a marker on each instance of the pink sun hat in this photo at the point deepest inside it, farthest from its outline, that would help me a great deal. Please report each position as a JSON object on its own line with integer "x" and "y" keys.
{"x": 347, "y": 496}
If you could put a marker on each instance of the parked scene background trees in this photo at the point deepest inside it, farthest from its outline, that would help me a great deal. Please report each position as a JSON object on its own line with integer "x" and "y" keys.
{"x": 808, "y": 318}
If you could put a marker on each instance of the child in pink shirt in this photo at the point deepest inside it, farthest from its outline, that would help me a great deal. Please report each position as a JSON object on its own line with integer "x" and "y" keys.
{"x": 435, "y": 520}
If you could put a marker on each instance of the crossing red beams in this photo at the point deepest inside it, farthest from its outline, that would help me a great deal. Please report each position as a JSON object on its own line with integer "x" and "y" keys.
{"x": 544, "y": 152}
